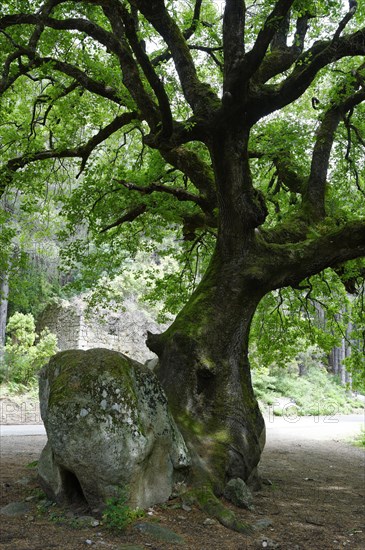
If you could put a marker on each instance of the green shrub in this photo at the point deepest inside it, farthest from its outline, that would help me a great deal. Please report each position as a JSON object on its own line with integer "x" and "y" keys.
{"x": 25, "y": 351}
{"x": 360, "y": 439}
{"x": 317, "y": 392}
{"x": 118, "y": 515}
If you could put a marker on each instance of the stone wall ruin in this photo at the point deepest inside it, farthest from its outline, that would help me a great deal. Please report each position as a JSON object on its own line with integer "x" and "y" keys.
{"x": 77, "y": 328}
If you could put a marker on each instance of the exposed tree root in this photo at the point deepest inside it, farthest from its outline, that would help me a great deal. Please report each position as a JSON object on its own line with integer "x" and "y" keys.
{"x": 205, "y": 498}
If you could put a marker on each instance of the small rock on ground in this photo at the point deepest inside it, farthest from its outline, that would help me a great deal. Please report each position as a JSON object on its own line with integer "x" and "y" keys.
{"x": 237, "y": 492}
{"x": 262, "y": 524}
{"x": 209, "y": 521}
{"x": 267, "y": 543}
{"x": 159, "y": 533}
{"x": 186, "y": 507}
{"x": 15, "y": 509}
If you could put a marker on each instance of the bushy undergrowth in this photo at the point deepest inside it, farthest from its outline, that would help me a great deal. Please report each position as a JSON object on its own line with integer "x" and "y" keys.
{"x": 25, "y": 351}
{"x": 24, "y": 391}
{"x": 360, "y": 439}
{"x": 118, "y": 515}
{"x": 315, "y": 393}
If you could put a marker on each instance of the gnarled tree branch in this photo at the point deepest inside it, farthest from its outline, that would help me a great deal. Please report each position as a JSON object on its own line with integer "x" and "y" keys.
{"x": 130, "y": 70}
{"x": 187, "y": 33}
{"x": 314, "y": 195}
{"x": 199, "y": 173}
{"x": 276, "y": 18}
{"x": 82, "y": 151}
{"x": 179, "y": 193}
{"x": 150, "y": 73}
{"x": 311, "y": 256}
{"x": 287, "y": 174}
{"x": 128, "y": 216}
{"x": 74, "y": 72}
{"x": 282, "y": 57}
{"x": 233, "y": 39}
{"x": 321, "y": 54}
{"x": 199, "y": 95}
{"x": 343, "y": 23}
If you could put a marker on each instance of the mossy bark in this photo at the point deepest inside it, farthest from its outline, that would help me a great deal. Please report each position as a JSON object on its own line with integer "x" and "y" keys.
{"x": 204, "y": 365}
{"x": 205, "y": 372}
{"x": 206, "y": 499}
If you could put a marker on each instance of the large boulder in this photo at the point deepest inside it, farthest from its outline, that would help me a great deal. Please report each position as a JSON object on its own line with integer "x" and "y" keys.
{"x": 109, "y": 431}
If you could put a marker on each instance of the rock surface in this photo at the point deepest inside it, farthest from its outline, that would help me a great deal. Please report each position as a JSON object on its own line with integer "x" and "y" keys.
{"x": 238, "y": 493}
{"x": 160, "y": 533}
{"x": 109, "y": 431}
{"x": 14, "y": 509}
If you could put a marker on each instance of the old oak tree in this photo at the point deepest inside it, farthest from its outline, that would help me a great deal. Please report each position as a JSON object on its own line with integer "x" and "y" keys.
{"x": 245, "y": 122}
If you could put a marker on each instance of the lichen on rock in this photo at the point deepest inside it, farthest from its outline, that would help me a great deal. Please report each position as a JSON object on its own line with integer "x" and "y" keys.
{"x": 109, "y": 430}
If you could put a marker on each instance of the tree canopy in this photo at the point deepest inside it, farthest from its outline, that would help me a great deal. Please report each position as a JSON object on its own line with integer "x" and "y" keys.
{"x": 85, "y": 80}
{"x": 123, "y": 100}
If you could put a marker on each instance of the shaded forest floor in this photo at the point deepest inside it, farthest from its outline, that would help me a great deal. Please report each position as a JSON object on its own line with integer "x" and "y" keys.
{"x": 315, "y": 499}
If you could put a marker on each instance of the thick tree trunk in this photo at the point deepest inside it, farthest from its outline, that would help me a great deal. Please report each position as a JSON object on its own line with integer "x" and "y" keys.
{"x": 205, "y": 372}
{"x": 204, "y": 365}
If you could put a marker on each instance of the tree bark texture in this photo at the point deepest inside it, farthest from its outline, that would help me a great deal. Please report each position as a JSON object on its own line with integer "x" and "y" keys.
{"x": 204, "y": 365}
{"x": 205, "y": 372}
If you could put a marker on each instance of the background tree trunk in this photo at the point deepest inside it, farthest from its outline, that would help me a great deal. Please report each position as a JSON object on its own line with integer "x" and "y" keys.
{"x": 4, "y": 295}
{"x": 339, "y": 353}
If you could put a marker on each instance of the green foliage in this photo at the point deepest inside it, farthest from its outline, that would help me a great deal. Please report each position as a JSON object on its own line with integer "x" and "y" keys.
{"x": 359, "y": 440}
{"x": 25, "y": 351}
{"x": 17, "y": 389}
{"x": 117, "y": 515}
{"x": 31, "y": 289}
{"x": 6, "y": 235}
{"x": 315, "y": 393}
{"x": 355, "y": 364}
{"x": 29, "y": 255}
{"x": 32, "y": 465}
{"x": 303, "y": 326}
{"x": 48, "y": 109}
{"x": 21, "y": 330}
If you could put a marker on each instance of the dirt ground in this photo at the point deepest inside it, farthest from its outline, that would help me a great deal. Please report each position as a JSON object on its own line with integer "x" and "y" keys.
{"x": 314, "y": 499}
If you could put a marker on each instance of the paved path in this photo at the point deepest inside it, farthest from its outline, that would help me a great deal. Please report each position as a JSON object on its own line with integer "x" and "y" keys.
{"x": 22, "y": 429}
{"x": 318, "y": 428}
{"x": 277, "y": 427}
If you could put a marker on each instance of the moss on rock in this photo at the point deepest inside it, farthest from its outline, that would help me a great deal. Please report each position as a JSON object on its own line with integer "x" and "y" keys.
{"x": 108, "y": 425}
